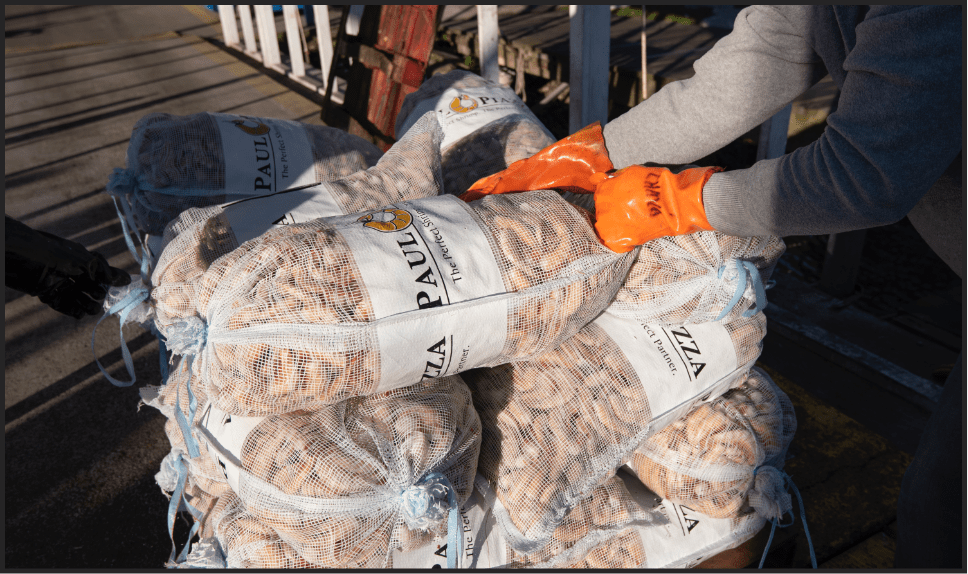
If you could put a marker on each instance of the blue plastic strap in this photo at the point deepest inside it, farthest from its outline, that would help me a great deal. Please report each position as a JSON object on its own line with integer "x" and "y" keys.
{"x": 454, "y": 530}
{"x": 190, "y": 441}
{"x": 745, "y": 268}
{"x": 803, "y": 516}
{"x": 758, "y": 288}
{"x": 142, "y": 258}
{"x": 125, "y": 306}
{"x": 177, "y": 498}
{"x": 163, "y": 360}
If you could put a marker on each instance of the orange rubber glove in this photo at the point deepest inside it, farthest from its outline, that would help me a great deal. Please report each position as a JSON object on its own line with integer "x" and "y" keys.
{"x": 638, "y": 204}
{"x": 566, "y": 165}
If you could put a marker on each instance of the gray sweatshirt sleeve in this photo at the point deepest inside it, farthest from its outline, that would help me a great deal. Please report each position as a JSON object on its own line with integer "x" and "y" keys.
{"x": 896, "y": 129}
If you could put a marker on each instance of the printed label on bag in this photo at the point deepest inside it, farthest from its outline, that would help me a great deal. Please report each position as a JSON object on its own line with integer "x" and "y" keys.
{"x": 251, "y": 217}
{"x": 689, "y": 537}
{"x": 674, "y": 364}
{"x": 264, "y": 156}
{"x": 227, "y": 432}
{"x": 481, "y": 543}
{"x": 464, "y": 111}
{"x": 424, "y": 255}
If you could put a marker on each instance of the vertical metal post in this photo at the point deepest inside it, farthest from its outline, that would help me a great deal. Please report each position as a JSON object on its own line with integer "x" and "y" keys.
{"x": 589, "y": 66}
{"x": 230, "y": 31}
{"x": 487, "y": 34}
{"x": 773, "y": 135}
{"x": 290, "y": 14}
{"x": 324, "y": 38}
{"x": 645, "y": 71}
{"x": 354, "y": 19}
{"x": 842, "y": 262}
{"x": 245, "y": 16}
{"x": 267, "y": 35}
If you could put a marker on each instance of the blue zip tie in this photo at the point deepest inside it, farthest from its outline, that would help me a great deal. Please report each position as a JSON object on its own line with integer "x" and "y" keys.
{"x": 177, "y": 498}
{"x": 454, "y": 530}
{"x": 125, "y": 306}
{"x": 803, "y": 516}
{"x": 745, "y": 268}
{"x": 190, "y": 443}
{"x": 163, "y": 360}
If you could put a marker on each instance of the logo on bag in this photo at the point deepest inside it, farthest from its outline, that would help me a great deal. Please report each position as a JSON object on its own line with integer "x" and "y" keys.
{"x": 387, "y": 220}
{"x": 463, "y": 103}
{"x": 690, "y": 523}
{"x": 259, "y": 129}
{"x": 690, "y": 350}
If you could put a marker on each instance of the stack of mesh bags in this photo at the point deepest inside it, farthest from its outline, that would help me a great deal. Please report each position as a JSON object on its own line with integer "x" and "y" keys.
{"x": 685, "y": 327}
{"x": 341, "y": 486}
{"x": 317, "y": 316}
{"x": 486, "y": 126}
{"x": 178, "y": 162}
{"x": 198, "y": 236}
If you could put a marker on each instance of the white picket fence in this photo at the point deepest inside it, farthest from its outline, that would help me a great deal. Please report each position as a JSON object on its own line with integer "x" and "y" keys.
{"x": 588, "y": 66}
{"x": 259, "y": 41}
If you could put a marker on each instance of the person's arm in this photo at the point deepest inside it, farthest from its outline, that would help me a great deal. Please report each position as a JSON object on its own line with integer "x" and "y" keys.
{"x": 749, "y": 75}
{"x": 62, "y": 273}
{"x": 897, "y": 127}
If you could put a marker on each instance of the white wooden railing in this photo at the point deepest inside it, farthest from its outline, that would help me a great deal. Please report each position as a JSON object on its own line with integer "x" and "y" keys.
{"x": 259, "y": 42}
{"x": 588, "y": 66}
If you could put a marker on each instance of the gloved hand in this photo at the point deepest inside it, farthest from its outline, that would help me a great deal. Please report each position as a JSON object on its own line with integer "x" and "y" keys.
{"x": 565, "y": 165}
{"x": 62, "y": 273}
{"x": 638, "y": 204}
{"x": 632, "y": 206}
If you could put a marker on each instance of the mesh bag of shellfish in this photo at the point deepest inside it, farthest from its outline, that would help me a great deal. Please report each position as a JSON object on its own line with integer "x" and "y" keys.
{"x": 608, "y": 510}
{"x": 700, "y": 277}
{"x": 621, "y": 524}
{"x": 555, "y": 426}
{"x": 314, "y": 313}
{"x": 486, "y": 126}
{"x": 248, "y": 543}
{"x": 643, "y": 531}
{"x": 177, "y": 162}
{"x": 695, "y": 278}
{"x": 348, "y": 483}
{"x": 723, "y": 457}
{"x": 197, "y": 237}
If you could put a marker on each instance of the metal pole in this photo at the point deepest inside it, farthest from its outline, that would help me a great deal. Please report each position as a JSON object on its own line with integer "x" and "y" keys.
{"x": 487, "y": 33}
{"x": 842, "y": 262}
{"x": 589, "y": 65}
{"x": 773, "y": 135}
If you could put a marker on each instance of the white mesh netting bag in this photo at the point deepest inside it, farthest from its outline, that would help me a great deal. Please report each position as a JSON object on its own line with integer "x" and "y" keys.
{"x": 621, "y": 524}
{"x": 486, "y": 126}
{"x": 643, "y": 531}
{"x": 196, "y": 238}
{"x": 556, "y": 425}
{"x": 695, "y": 278}
{"x": 313, "y": 313}
{"x": 596, "y": 519}
{"x": 722, "y": 457}
{"x": 178, "y": 162}
{"x": 346, "y": 484}
{"x": 248, "y": 543}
